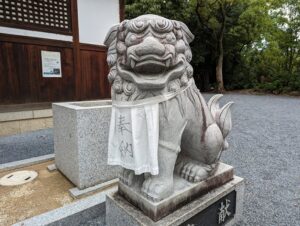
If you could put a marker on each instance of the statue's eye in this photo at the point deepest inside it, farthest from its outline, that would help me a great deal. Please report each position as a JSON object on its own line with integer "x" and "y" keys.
{"x": 132, "y": 39}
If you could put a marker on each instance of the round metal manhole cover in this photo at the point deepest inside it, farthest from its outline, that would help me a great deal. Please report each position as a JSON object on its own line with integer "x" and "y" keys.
{"x": 18, "y": 177}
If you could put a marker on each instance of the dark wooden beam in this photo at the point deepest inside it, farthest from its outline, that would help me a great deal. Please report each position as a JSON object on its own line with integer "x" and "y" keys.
{"x": 122, "y": 9}
{"x": 34, "y": 41}
{"x": 92, "y": 47}
{"x": 76, "y": 49}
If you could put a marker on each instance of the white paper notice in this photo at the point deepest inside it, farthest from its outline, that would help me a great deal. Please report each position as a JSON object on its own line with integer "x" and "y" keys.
{"x": 51, "y": 64}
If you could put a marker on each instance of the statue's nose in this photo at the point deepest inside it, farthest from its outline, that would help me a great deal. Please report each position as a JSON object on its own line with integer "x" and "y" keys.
{"x": 150, "y": 45}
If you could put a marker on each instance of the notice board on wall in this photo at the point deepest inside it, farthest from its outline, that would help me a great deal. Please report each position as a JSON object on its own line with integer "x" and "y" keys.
{"x": 51, "y": 64}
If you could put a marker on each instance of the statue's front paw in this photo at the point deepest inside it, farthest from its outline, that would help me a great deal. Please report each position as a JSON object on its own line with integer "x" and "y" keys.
{"x": 127, "y": 176}
{"x": 156, "y": 189}
{"x": 194, "y": 172}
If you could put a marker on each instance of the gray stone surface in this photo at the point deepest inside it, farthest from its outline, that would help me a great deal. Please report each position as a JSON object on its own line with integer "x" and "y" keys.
{"x": 25, "y": 162}
{"x": 184, "y": 192}
{"x": 86, "y": 211}
{"x": 191, "y": 133}
{"x": 26, "y": 145}
{"x": 120, "y": 212}
{"x": 77, "y": 193}
{"x": 80, "y": 142}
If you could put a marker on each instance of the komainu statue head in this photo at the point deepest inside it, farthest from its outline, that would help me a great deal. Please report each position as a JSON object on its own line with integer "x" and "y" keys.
{"x": 148, "y": 54}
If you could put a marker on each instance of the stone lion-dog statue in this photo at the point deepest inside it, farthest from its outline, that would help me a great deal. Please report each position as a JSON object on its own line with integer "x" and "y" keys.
{"x": 150, "y": 56}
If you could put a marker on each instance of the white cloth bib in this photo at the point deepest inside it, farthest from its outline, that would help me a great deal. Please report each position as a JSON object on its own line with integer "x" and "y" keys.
{"x": 133, "y": 138}
{"x": 134, "y": 133}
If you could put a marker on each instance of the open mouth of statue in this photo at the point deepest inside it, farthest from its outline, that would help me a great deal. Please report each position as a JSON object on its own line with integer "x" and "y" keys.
{"x": 150, "y": 65}
{"x": 149, "y": 72}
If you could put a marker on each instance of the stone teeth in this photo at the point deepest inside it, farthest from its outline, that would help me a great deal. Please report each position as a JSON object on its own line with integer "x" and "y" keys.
{"x": 132, "y": 63}
{"x": 168, "y": 62}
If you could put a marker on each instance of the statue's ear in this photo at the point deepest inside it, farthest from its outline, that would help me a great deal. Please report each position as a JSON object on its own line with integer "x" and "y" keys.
{"x": 111, "y": 35}
{"x": 186, "y": 32}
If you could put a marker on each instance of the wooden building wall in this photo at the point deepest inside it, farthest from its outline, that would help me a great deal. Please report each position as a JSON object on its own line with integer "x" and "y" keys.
{"x": 94, "y": 70}
{"x": 21, "y": 78}
{"x": 84, "y": 69}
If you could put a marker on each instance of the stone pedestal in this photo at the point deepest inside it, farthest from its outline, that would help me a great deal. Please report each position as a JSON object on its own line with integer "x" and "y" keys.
{"x": 80, "y": 141}
{"x": 184, "y": 192}
{"x": 207, "y": 210}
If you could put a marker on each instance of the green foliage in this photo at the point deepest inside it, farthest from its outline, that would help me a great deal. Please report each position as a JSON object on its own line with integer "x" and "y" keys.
{"x": 273, "y": 56}
{"x": 175, "y": 9}
{"x": 261, "y": 39}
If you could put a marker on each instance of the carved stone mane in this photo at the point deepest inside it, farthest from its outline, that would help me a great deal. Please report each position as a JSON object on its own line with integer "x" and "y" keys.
{"x": 138, "y": 71}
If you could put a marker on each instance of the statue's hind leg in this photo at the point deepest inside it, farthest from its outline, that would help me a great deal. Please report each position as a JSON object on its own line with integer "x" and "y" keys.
{"x": 197, "y": 165}
{"x": 191, "y": 170}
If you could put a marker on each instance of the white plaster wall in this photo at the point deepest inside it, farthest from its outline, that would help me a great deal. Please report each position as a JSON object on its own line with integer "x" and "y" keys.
{"x": 36, "y": 34}
{"x": 95, "y": 18}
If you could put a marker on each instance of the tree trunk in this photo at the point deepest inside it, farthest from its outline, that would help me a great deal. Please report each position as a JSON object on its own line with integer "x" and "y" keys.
{"x": 219, "y": 67}
{"x": 219, "y": 74}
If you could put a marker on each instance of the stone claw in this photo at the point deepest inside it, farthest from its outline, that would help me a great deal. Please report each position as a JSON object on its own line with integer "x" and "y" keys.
{"x": 193, "y": 172}
{"x": 127, "y": 176}
{"x": 156, "y": 189}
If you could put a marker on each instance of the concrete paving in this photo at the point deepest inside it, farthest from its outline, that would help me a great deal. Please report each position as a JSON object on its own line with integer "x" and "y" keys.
{"x": 26, "y": 145}
{"x": 50, "y": 190}
{"x": 264, "y": 149}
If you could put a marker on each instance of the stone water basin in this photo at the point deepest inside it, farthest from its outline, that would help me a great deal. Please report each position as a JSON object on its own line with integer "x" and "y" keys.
{"x": 80, "y": 141}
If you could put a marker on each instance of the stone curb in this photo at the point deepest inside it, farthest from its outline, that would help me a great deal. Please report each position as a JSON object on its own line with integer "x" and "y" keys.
{"x": 21, "y": 115}
{"x": 76, "y": 213}
{"x": 77, "y": 193}
{"x": 25, "y": 162}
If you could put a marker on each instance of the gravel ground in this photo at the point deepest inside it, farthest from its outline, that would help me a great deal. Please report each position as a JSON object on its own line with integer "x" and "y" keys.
{"x": 26, "y": 145}
{"x": 264, "y": 149}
